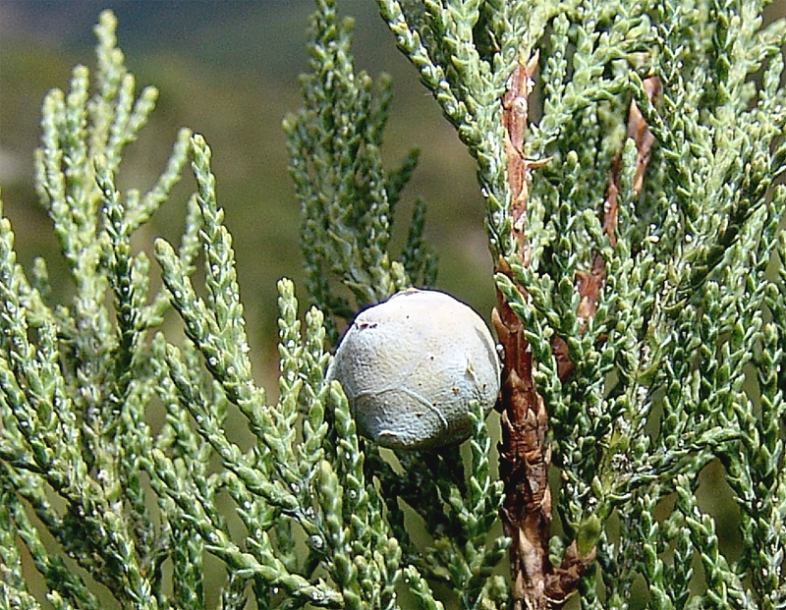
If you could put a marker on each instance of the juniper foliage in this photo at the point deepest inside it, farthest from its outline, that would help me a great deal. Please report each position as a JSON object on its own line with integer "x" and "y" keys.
{"x": 678, "y": 363}
{"x": 348, "y": 198}
{"x": 682, "y": 361}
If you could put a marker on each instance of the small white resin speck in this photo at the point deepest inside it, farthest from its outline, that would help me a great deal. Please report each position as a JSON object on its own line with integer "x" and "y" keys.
{"x": 412, "y": 365}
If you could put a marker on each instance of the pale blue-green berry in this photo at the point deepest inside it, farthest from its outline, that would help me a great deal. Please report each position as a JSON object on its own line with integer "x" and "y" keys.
{"x": 411, "y": 367}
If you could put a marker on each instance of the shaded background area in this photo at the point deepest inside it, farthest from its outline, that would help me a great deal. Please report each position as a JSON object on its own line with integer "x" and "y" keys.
{"x": 230, "y": 71}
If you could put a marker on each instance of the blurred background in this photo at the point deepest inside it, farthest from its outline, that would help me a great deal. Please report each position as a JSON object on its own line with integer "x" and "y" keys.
{"x": 230, "y": 71}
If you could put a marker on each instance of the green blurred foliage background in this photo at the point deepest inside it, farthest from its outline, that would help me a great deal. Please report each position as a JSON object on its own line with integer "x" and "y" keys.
{"x": 230, "y": 70}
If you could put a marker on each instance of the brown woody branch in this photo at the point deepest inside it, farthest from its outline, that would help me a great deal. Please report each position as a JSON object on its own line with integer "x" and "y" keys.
{"x": 525, "y": 456}
{"x": 524, "y": 453}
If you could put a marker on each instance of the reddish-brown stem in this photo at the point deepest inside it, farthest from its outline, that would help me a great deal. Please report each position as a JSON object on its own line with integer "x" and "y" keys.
{"x": 589, "y": 284}
{"x": 524, "y": 463}
{"x": 524, "y": 452}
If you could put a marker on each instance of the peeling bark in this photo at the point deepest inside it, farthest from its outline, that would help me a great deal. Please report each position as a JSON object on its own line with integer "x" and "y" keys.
{"x": 525, "y": 456}
{"x": 524, "y": 452}
{"x": 524, "y": 464}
